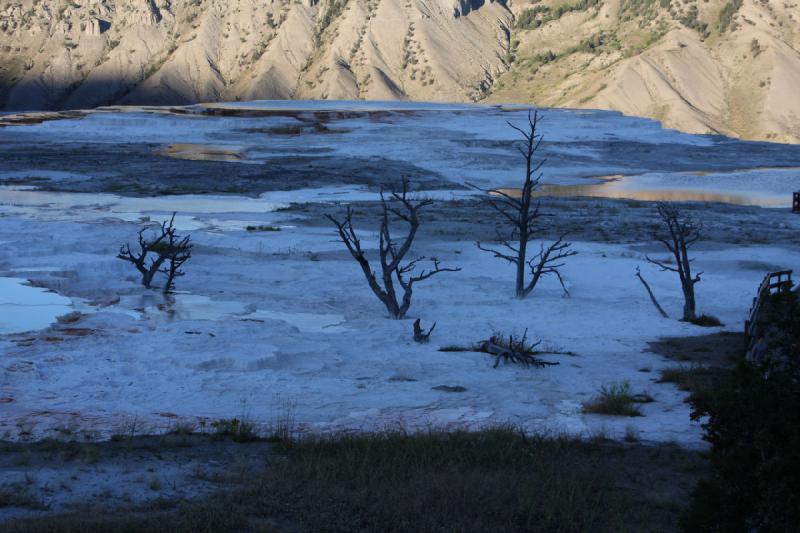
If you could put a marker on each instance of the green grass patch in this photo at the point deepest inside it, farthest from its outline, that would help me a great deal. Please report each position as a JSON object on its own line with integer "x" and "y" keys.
{"x": 615, "y": 399}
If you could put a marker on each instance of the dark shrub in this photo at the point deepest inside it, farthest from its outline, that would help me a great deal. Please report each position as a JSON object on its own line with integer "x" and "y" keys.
{"x": 707, "y": 321}
{"x": 753, "y": 426}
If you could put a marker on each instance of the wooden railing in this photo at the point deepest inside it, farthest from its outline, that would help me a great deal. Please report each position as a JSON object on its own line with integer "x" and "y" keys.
{"x": 773, "y": 283}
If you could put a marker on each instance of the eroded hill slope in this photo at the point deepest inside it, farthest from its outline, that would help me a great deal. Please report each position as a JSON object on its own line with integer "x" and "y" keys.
{"x": 727, "y": 66}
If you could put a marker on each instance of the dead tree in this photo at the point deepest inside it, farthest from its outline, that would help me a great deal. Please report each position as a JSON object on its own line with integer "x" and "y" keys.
{"x": 164, "y": 252}
{"x": 521, "y": 213}
{"x": 678, "y": 231}
{"x": 148, "y": 270}
{"x": 420, "y": 335}
{"x": 391, "y": 252}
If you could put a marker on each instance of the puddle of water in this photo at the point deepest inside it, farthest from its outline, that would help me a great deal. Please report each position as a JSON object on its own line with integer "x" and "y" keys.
{"x": 739, "y": 188}
{"x": 100, "y": 205}
{"x": 26, "y": 308}
{"x": 90, "y": 206}
{"x": 305, "y": 322}
{"x": 184, "y": 306}
{"x": 662, "y": 195}
{"x": 205, "y": 152}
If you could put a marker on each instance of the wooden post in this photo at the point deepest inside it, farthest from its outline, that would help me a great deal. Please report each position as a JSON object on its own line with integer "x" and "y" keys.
{"x": 796, "y": 202}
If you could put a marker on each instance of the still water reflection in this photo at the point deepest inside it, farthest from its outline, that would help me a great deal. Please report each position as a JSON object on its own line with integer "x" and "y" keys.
{"x": 648, "y": 189}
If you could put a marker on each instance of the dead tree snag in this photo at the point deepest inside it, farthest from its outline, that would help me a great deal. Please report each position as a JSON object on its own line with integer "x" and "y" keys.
{"x": 391, "y": 252}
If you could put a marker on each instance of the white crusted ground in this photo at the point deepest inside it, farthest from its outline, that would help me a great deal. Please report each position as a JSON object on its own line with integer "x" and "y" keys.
{"x": 280, "y": 324}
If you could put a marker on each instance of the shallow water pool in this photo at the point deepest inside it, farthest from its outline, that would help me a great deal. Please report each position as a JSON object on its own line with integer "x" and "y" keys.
{"x": 27, "y": 308}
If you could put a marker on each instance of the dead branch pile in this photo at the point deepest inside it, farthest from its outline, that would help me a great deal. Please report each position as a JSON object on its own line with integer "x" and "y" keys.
{"x": 513, "y": 350}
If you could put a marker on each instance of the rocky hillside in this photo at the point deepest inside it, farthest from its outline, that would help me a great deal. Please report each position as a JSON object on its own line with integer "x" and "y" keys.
{"x": 728, "y": 66}
{"x": 78, "y": 53}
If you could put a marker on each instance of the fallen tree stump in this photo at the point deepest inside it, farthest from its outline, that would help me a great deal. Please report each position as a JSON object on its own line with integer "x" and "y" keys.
{"x": 514, "y": 351}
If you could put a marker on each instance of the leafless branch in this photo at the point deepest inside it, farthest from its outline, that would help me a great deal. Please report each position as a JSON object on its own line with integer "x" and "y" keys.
{"x": 548, "y": 261}
{"x": 650, "y": 292}
{"x": 420, "y": 335}
{"x": 391, "y": 252}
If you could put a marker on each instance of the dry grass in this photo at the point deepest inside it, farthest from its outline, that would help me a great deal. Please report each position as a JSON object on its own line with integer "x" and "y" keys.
{"x": 493, "y": 480}
{"x": 18, "y": 496}
{"x": 615, "y": 399}
{"x": 692, "y": 378}
{"x": 706, "y": 360}
{"x": 716, "y": 349}
{"x": 239, "y": 430}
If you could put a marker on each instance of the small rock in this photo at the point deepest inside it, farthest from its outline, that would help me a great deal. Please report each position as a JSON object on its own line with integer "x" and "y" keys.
{"x": 448, "y": 388}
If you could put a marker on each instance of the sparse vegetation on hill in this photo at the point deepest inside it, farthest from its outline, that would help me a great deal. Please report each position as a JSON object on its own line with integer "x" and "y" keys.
{"x": 727, "y": 13}
{"x": 185, "y": 51}
{"x": 540, "y": 15}
{"x": 692, "y": 48}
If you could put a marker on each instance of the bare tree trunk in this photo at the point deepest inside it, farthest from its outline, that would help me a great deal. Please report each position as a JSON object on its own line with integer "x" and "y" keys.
{"x": 523, "y": 226}
{"x": 687, "y": 283}
{"x": 689, "y": 305}
{"x": 147, "y": 277}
